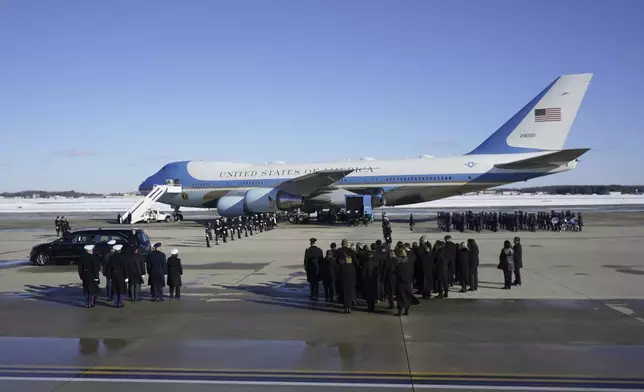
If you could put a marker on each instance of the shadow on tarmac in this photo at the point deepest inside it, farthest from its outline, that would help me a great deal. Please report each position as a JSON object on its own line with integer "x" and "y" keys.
{"x": 65, "y": 294}
{"x": 295, "y": 296}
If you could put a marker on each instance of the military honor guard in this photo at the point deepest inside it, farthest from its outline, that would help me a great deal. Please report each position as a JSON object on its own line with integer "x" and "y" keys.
{"x": 88, "y": 270}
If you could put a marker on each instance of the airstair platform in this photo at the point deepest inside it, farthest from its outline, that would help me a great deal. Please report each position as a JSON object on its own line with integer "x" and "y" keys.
{"x": 138, "y": 209}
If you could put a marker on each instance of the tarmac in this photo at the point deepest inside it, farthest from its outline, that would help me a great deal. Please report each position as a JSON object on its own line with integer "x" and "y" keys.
{"x": 245, "y": 322}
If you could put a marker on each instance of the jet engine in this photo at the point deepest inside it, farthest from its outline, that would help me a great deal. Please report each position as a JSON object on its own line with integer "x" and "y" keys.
{"x": 256, "y": 200}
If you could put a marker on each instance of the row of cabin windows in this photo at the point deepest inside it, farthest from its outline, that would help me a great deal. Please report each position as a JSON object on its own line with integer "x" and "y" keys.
{"x": 212, "y": 184}
{"x": 413, "y": 179}
{"x": 344, "y": 180}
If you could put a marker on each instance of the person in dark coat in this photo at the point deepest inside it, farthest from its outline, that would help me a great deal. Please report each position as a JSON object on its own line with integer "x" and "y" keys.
{"x": 338, "y": 281}
{"x": 88, "y": 269}
{"x": 135, "y": 274}
{"x": 450, "y": 250}
{"x": 119, "y": 273}
{"x": 371, "y": 279}
{"x": 473, "y": 264}
{"x": 349, "y": 252}
{"x": 463, "y": 266}
{"x": 427, "y": 266}
{"x": 518, "y": 261}
{"x": 389, "y": 277}
{"x": 347, "y": 277}
{"x": 380, "y": 256}
{"x": 105, "y": 266}
{"x": 362, "y": 254}
{"x": 418, "y": 269}
{"x": 506, "y": 264}
{"x": 442, "y": 269}
{"x": 312, "y": 258}
{"x": 175, "y": 270}
{"x": 157, "y": 269}
{"x": 328, "y": 267}
{"x": 411, "y": 252}
{"x": 404, "y": 281}
{"x": 418, "y": 266}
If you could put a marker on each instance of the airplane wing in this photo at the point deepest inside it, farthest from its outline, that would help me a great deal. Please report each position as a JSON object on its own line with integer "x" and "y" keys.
{"x": 309, "y": 183}
{"x": 554, "y": 159}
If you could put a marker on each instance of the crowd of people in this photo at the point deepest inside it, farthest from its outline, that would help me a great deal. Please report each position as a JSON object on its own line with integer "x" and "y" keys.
{"x": 355, "y": 218}
{"x": 380, "y": 272}
{"x": 124, "y": 271}
{"x": 510, "y": 221}
{"x": 229, "y": 228}
{"x": 62, "y": 226}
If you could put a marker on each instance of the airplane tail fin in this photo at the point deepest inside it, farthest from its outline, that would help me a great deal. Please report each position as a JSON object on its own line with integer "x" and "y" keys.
{"x": 544, "y": 123}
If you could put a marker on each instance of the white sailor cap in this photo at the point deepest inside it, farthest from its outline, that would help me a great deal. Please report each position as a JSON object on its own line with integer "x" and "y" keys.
{"x": 174, "y": 251}
{"x": 111, "y": 242}
{"x": 117, "y": 247}
{"x": 89, "y": 247}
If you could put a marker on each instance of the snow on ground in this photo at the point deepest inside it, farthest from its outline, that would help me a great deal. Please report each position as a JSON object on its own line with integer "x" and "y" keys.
{"x": 121, "y": 204}
{"x": 528, "y": 200}
{"x": 109, "y": 204}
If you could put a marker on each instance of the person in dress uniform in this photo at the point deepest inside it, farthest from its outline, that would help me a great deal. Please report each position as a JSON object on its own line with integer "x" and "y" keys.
{"x": 175, "y": 270}
{"x": 88, "y": 270}
{"x": 119, "y": 274}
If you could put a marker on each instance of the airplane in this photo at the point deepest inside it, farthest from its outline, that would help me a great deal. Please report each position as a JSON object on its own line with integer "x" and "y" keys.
{"x": 529, "y": 145}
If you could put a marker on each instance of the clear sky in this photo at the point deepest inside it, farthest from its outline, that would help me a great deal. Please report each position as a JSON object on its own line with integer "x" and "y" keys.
{"x": 97, "y": 95}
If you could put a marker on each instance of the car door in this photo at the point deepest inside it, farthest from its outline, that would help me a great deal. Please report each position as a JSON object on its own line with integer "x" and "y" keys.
{"x": 143, "y": 242}
{"x": 78, "y": 248}
{"x": 120, "y": 240}
{"x": 73, "y": 248}
{"x": 58, "y": 248}
{"x": 62, "y": 249}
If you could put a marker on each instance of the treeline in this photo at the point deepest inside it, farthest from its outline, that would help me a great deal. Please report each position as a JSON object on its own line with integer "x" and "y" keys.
{"x": 48, "y": 194}
{"x": 580, "y": 189}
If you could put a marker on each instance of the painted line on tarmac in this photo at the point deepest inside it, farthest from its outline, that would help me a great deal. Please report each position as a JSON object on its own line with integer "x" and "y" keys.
{"x": 38, "y": 369}
{"x": 329, "y": 379}
{"x": 621, "y": 309}
{"x": 319, "y": 384}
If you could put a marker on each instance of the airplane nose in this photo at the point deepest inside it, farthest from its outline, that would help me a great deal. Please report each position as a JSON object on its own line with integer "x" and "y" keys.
{"x": 145, "y": 187}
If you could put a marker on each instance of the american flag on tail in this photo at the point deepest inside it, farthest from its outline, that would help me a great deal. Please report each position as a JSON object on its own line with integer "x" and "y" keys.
{"x": 271, "y": 203}
{"x": 547, "y": 114}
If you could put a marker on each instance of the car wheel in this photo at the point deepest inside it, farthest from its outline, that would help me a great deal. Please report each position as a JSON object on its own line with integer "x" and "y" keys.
{"x": 42, "y": 259}
{"x": 167, "y": 219}
{"x": 300, "y": 219}
{"x": 149, "y": 221}
{"x": 291, "y": 219}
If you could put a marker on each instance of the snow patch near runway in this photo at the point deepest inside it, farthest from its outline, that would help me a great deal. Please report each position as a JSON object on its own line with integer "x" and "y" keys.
{"x": 529, "y": 200}
{"x": 60, "y": 205}
{"x": 121, "y": 204}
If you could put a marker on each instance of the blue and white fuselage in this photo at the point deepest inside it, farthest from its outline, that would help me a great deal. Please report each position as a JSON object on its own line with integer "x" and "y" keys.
{"x": 527, "y": 146}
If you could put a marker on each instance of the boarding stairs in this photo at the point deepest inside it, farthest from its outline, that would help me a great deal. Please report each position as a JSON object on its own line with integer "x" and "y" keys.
{"x": 138, "y": 209}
